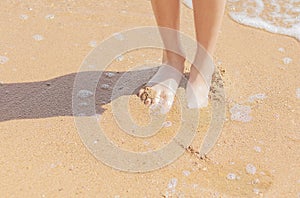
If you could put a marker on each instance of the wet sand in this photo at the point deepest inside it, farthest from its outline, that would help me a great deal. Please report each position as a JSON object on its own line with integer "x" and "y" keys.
{"x": 42, "y": 154}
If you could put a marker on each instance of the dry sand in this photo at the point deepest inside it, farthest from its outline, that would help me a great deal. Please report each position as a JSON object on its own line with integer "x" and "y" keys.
{"x": 42, "y": 154}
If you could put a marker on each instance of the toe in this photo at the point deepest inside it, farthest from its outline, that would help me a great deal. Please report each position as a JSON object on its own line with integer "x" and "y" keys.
{"x": 142, "y": 90}
{"x": 148, "y": 101}
{"x": 156, "y": 99}
{"x": 144, "y": 96}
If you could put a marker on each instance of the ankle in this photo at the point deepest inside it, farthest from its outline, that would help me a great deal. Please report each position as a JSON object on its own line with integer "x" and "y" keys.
{"x": 203, "y": 63}
{"x": 203, "y": 59}
{"x": 175, "y": 60}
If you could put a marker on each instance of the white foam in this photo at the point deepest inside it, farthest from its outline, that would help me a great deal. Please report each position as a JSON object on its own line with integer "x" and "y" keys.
{"x": 250, "y": 169}
{"x": 84, "y": 93}
{"x": 173, "y": 183}
{"x": 3, "y": 59}
{"x": 186, "y": 173}
{"x": 241, "y": 113}
{"x": 257, "y": 149}
{"x": 256, "y": 191}
{"x": 287, "y": 60}
{"x": 38, "y": 37}
{"x": 93, "y": 43}
{"x": 49, "y": 16}
{"x": 120, "y": 58}
{"x": 104, "y": 86}
{"x": 109, "y": 75}
{"x": 24, "y": 17}
{"x": 167, "y": 124}
{"x": 231, "y": 176}
{"x": 280, "y": 16}
{"x": 259, "y": 96}
{"x": 171, "y": 190}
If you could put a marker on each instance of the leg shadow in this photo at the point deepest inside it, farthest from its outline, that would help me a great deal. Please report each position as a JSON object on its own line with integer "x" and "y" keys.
{"x": 51, "y": 98}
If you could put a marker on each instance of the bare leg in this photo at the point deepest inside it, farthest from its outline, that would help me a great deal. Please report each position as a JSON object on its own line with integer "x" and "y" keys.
{"x": 165, "y": 82}
{"x": 208, "y": 16}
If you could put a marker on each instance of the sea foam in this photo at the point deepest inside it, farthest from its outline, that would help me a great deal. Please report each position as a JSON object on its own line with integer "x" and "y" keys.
{"x": 276, "y": 16}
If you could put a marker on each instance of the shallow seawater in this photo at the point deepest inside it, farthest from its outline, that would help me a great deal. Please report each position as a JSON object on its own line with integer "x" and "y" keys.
{"x": 276, "y": 16}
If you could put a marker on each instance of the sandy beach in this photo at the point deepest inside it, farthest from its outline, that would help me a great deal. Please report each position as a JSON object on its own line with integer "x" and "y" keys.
{"x": 43, "y": 45}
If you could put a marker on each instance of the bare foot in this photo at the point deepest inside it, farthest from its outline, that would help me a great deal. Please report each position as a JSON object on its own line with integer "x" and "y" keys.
{"x": 198, "y": 86}
{"x": 160, "y": 91}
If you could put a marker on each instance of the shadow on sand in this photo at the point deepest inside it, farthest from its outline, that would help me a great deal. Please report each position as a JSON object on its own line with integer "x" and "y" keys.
{"x": 32, "y": 100}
